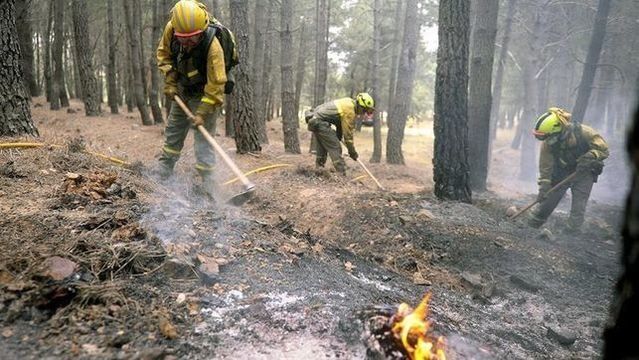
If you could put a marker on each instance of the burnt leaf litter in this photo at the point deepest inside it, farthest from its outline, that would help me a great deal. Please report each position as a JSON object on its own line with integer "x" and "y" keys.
{"x": 96, "y": 265}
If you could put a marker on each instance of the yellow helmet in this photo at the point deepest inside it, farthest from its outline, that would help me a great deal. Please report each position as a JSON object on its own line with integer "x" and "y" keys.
{"x": 189, "y": 17}
{"x": 366, "y": 101}
{"x": 547, "y": 125}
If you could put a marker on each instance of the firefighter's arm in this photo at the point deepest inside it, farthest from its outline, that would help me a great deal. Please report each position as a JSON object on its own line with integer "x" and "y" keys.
{"x": 348, "y": 128}
{"x": 163, "y": 53}
{"x": 216, "y": 79}
{"x": 546, "y": 164}
{"x": 165, "y": 61}
{"x": 598, "y": 147}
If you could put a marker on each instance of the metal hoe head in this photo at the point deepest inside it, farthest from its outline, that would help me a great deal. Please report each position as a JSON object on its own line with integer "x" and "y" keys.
{"x": 244, "y": 196}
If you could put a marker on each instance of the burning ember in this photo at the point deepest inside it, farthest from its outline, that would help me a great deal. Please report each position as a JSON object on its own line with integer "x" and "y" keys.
{"x": 410, "y": 330}
{"x": 401, "y": 333}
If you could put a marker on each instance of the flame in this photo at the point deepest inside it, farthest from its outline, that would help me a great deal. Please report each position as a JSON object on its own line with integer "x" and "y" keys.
{"x": 411, "y": 328}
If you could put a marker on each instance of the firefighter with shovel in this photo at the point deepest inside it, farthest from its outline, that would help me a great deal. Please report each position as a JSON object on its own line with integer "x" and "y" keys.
{"x": 572, "y": 158}
{"x": 341, "y": 114}
{"x": 192, "y": 60}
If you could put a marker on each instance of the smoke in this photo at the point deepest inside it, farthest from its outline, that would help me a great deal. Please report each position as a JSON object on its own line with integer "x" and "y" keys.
{"x": 184, "y": 209}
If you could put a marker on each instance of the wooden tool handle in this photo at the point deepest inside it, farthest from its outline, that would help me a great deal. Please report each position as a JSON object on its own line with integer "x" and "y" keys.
{"x": 560, "y": 184}
{"x": 229, "y": 162}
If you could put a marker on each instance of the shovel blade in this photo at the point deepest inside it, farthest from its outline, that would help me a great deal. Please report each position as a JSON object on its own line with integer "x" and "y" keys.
{"x": 241, "y": 198}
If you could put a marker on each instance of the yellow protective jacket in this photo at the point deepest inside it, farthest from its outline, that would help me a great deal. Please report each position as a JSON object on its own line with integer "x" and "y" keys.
{"x": 215, "y": 69}
{"x": 560, "y": 160}
{"x": 341, "y": 113}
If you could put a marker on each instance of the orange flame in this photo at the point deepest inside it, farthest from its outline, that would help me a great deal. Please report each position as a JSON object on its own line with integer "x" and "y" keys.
{"x": 411, "y": 327}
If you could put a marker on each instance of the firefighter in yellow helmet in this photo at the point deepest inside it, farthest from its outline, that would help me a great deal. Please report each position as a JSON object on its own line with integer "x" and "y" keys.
{"x": 566, "y": 148}
{"x": 341, "y": 114}
{"x": 192, "y": 60}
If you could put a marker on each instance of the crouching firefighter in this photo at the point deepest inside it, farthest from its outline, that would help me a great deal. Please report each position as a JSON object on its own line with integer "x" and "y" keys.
{"x": 194, "y": 61}
{"x": 567, "y": 148}
{"x": 342, "y": 114}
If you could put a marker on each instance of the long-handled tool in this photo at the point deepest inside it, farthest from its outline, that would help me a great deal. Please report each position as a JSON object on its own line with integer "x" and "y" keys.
{"x": 560, "y": 184}
{"x": 369, "y": 173}
{"x": 249, "y": 187}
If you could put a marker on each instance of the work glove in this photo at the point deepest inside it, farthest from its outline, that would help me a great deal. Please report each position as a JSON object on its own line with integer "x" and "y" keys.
{"x": 544, "y": 187}
{"x": 197, "y": 121}
{"x": 588, "y": 163}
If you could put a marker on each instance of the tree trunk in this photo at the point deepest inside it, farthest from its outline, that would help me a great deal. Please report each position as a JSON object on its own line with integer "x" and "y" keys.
{"x": 397, "y": 37}
{"x": 499, "y": 74}
{"x": 377, "y": 126}
{"x": 262, "y": 92}
{"x": 138, "y": 19}
{"x": 620, "y": 339}
{"x": 58, "y": 89}
{"x": 289, "y": 115}
{"x": 450, "y": 162}
{"x": 404, "y": 92}
{"x": 301, "y": 67}
{"x": 133, "y": 34}
{"x": 321, "y": 50}
{"x": 260, "y": 28}
{"x": 479, "y": 95}
{"x": 592, "y": 58}
{"x": 70, "y": 60}
{"x": 112, "y": 86}
{"x": 154, "y": 97}
{"x": 25, "y": 38}
{"x": 527, "y": 169}
{"x": 244, "y": 122}
{"x": 229, "y": 130}
{"x": 84, "y": 59}
{"x": 48, "y": 80}
{"x": 15, "y": 115}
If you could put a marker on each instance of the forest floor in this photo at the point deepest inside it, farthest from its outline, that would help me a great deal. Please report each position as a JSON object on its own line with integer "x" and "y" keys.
{"x": 102, "y": 261}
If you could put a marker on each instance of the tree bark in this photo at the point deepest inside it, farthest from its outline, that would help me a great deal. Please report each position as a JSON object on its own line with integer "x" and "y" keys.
{"x": 301, "y": 67}
{"x": 499, "y": 73}
{"x": 262, "y": 92}
{"x": 25, "y": 38}
{"x": 229, "y": 130}
{"x": 134, "y": 50}
{"x": 592, "y": 58}
{"x": 289, "y": 115}
{"x": 527, "y": 169}
{"x": 15, "y": 114}
{"x": 620, "y": 339}
{"x": 154, "y": 94}
{"x": 48, "y": 79}
{"x": 58, "y": 89}
{"x": 377, "y": 126}
{"x": 84, "y": 59}
{"x": 450, "y": 163}
{"x": 404, "y": 92}
{"x": 479, "y": 96}
{"x": 322, "y": 19}
{"x": 397, "y": 37}
{"x": 244, "y": 122}
{"x": 112, "y": 86}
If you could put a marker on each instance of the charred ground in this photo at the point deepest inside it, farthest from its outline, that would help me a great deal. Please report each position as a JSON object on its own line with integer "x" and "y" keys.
{"x": 300, "y": 268}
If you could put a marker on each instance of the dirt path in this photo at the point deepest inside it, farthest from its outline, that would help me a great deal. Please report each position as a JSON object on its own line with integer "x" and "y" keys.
{"x": 302, "y": 261}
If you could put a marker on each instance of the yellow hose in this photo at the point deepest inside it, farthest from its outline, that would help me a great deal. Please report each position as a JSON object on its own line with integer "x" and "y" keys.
{"x": 258, "y": 170}
{"x": 359, "y": 177}
{"x": 19, "y": 145}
